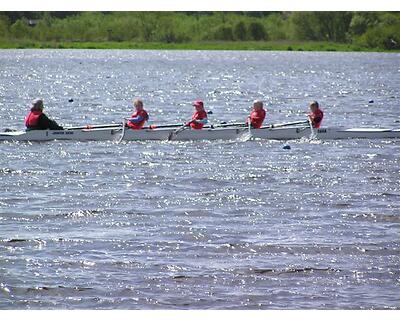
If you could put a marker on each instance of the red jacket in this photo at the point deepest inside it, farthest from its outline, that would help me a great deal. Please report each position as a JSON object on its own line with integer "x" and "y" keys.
{"x": 37, "y": 120}
{"x": 32, "y": 119}
{"x": 257, "y": 117}
{"x": 138, "y": 120}
{"x": 316, "y": 118}
{"x": 198, "y": 115}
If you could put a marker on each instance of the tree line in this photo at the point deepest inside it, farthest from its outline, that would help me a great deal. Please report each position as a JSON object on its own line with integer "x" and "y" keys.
{"x": 366, "y": 29}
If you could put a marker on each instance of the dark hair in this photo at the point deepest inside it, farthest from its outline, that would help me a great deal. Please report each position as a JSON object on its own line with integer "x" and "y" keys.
{"x": 314, "y": 103}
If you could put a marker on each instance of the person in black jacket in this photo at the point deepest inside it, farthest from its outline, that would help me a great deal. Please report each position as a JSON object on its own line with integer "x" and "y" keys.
{"x": 37, "y": 120}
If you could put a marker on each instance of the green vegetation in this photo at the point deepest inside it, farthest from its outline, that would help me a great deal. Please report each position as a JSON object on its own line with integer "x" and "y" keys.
{"x": 204, "y": 45}
{"x": 322, "y": 31}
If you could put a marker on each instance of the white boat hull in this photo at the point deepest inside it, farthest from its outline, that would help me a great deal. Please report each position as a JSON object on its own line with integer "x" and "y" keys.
{"x": 76, "y": 135}
{"x": 327, "y": 133}
{"x": 231, "y": 133}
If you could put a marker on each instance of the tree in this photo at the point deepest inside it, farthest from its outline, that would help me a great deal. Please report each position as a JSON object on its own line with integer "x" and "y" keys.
{"x": 147, "y": 26}
{"x": 257, "y": 31}
{"x": 328, "y": 26}
{"x": 303, "y": 26}
{"x": 358, "y": 24}
{"x": 20, "y": 29}
{"x": 277, "y": 26}
{"x": 4, "y": 26}
{"x": 223, "y": 33}
{"x": 43, "y": 30}
{"x": 333, "y": 26}
{"x": 382, "y": 36}
{"x": 240, "y": 31}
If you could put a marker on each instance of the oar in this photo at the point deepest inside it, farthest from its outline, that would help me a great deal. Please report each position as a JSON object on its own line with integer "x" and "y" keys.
{"x": 249, "y": 127}
{"x": 280, "y": 125}
{"x": 246, "y": 134}
{"x": 95, "y": 126}
{"x": 149, "y": 127}
{"x": 154, "y": 126}
{"x": 313, "y": 135}
{"x": 174, "y": 133}
{"x": 233, "y": 124}
{"x": 219, "y": 125}
{"x": 123, "y": 130}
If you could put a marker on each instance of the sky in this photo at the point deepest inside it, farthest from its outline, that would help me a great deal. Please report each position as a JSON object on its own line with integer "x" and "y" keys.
{"x": 200, "y": 5}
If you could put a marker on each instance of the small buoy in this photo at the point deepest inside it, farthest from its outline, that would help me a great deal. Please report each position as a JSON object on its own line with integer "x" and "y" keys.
{"x": 70, "y": 100}
{"x": 371, "y": 101}
{"x": 286, "y": 147}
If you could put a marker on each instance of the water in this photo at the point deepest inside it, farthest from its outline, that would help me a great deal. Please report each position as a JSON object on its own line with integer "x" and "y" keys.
{"x": 200, "y": 225}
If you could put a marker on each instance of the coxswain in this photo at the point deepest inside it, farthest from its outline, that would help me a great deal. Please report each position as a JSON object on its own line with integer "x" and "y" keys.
{"x": 138, "y": 118}
{"x": 257, "y": 115}
{"x": 37, "y": 120}
{"x": 316, "y": 115}
{"x": 199, "y": 117}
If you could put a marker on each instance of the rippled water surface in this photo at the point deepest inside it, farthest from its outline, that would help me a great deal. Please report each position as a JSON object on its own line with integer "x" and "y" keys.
{"x": 200, "y": 225}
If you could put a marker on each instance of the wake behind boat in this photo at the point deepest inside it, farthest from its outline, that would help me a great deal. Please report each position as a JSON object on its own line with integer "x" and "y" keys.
{"x": 223, "y": 132}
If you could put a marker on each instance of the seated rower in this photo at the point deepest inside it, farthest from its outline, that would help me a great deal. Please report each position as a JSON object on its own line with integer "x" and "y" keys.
{"x": 137, "y": 120}
{"x": 199, "y": 117}
{"x": 37, "y": 120}
{"x": 257, "y": 115}
{"x": 316, "y": 115}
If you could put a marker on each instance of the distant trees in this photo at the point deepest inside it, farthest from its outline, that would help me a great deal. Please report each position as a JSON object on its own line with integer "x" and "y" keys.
{"x": 382, "y": 36}
{"x": 322, "y": 26}
{"x": 240, "y": 31}
{"x": 20, "y": 29}
{"x": 303, "y": 26}
{"x": 361, "y": 21}
{"x": 4, "y": 26}
{"x": 369, "y": 29}
{"x": 257, "y": 31}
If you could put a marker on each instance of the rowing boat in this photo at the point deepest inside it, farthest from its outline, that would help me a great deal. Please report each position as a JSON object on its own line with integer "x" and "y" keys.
{"x": 208, "y": 133}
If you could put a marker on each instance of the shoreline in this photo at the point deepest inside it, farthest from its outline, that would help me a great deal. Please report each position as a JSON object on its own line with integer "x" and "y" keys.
{"x": 205, "y": 45}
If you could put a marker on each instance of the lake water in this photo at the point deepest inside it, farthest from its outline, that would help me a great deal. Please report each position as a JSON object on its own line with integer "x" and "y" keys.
{"x": 200, "y": 225}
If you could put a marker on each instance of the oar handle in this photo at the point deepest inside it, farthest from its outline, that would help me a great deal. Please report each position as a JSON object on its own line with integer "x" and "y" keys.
{"x": 224, "y": 125}
{"x": 290, "y": 123}
{"x": 155, "y": 126}
{"x": 280, "y": 125}
{"x": 94, "y": 126}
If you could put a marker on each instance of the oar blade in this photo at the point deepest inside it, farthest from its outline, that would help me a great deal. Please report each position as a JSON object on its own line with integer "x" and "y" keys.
{"x": 313, "y": 135}
{"x": 246, "y": 134}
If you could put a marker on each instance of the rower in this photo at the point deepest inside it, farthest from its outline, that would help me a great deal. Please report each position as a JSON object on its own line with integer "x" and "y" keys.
{"x": 257, "y": 115}
{"x": 316, "y": 115}
{"x": 199, "y": 117}
{"x": 37, "y": 120}
{"x": 139, "y": 117}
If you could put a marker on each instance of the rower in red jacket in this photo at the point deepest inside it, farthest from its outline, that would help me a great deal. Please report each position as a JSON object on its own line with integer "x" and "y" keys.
{"x": 138, "y": 118}
{"x": 257, "y": 115}
{"x": 316, "y": 115}
{"x": 37, "y": 120}
{"x": 199, "y": 118}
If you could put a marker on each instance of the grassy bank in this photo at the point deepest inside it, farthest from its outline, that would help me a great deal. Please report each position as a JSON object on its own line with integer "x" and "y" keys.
{"x": 204, "y": 45}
